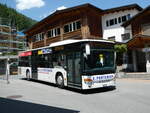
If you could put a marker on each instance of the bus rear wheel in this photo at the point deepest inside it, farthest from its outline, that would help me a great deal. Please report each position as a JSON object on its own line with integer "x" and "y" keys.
{"x": 60, "y": 81}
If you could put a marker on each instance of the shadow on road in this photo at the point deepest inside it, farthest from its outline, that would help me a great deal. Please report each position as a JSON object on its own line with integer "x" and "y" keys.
{"x": 15, "y": 106}
{"x": 38, "y": 81}
{"x": 90, "y": 91}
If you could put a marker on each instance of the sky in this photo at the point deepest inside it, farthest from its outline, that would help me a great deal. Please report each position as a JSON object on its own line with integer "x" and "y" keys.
{"x": 39, "y": 9}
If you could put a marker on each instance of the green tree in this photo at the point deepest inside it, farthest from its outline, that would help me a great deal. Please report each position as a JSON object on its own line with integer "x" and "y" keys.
{"x": 120, "y": 49}
{"x": 17, "y": 19}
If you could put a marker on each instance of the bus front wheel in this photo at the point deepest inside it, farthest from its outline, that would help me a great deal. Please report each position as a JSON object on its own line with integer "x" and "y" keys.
{"x": 60, "y": 80}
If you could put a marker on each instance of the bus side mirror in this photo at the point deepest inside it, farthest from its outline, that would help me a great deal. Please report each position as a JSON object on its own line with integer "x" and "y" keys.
{"x": 87, "y": 49}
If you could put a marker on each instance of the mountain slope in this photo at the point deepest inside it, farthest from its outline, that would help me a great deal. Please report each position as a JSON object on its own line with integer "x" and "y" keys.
{"x": 16, "y": 19}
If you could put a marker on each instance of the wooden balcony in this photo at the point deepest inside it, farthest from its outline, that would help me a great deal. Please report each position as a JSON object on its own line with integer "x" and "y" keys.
{"x": 73, "y": 35}
{"x": 52, "y": 40}
{"x": 38, "y": 44}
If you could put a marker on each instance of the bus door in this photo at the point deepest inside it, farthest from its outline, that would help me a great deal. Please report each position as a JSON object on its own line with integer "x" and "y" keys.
{"x": 73, "y": 68}
{"x": 34, "y": 72}
{"x": 34, "y": 65}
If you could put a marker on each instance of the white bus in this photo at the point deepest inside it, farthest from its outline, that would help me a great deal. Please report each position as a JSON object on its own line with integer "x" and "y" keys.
{"x": 82, "y": 64}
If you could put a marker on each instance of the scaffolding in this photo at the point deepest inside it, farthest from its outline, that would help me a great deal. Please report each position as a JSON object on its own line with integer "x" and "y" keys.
{"x": 10, "y": 44}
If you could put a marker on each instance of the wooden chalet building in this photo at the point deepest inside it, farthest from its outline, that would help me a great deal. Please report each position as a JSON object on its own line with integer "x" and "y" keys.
{"x": 78, "y": 22}
{"x": 139, "y": 44}
{"x": 122, "y": 24}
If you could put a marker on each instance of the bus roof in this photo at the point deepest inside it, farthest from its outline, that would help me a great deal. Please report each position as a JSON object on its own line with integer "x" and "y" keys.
{"x": 34, "y": 49}
{"x": 65, "y": 42}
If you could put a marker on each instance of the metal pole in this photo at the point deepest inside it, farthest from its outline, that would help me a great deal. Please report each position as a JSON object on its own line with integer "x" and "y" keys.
{"x": 8, "y": 57}
{"x": 7, "y": 71}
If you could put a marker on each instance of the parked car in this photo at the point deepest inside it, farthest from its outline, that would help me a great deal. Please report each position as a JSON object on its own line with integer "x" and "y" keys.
{"x": 13, "y": 68}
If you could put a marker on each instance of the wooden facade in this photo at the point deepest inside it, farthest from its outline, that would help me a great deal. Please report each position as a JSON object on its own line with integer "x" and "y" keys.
{"x": 88, "y": 15}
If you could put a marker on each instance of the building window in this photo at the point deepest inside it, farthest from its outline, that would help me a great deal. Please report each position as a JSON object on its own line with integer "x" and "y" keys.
{"x": 125, "y": 36}
{"x": 111, "y": 38}
{"x": 124, "y": 18}
{"x": 78, "y": 24}
{"x": 128, "y": 16}
{"x": 34, "y": 38}
{"x": 66, "y": 28}
{"x": 72, "y": 26}
{"x": 115, "y": 20}
{"x": 42, "y": 36}
{"x": 107, "y": 23}
{"x": 53, "y": 32}
{"x": 119, "y": 19}
{"x": 58, "y": 31}
{"x": 38, "y": 37}
{"x": 111, "y": 22}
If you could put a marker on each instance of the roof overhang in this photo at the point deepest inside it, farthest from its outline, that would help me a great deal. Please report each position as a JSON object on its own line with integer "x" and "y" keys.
{"x": 146, "y": 11}
{"x": 59, "y": 12}
{"x": 123, "y": 8}
{"x": 138, "y": 42}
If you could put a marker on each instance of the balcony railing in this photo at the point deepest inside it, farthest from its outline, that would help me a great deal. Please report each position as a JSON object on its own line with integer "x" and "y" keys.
{"x": 74, "y": 34}
{"x": 38, "y": 44}
{"x": 52, "y": 40}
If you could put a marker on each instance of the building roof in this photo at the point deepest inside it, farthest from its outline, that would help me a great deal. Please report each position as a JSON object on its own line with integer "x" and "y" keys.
{"x": 138, "y": 41}
{"x": 125, "y": 24}
{"x": 57, "y": 12}
{"x": 122, "y": 8}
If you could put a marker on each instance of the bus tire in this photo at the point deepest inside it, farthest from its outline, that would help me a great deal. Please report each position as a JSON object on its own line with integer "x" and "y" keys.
{"x": 28, "y": 75}
{"x": 60, "y": 80}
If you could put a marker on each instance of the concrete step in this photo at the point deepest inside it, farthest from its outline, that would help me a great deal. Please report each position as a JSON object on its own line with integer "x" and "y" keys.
{"x": 140, "y": 75}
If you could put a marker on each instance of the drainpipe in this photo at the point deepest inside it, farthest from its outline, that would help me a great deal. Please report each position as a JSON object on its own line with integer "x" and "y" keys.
{"x": 134, "y": 61}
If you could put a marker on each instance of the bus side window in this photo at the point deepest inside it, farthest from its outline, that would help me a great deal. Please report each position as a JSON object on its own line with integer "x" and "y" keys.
{"x": 54, "y": 60}
{"x": 50, "y": 64}
{"x": 58, "y": 60}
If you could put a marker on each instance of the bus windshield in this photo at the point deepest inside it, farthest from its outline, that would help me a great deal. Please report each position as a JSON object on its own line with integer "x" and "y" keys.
{"x": 99, "y": 60}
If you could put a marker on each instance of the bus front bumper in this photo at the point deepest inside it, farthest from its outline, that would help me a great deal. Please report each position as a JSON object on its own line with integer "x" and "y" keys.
{"x": 98, "y": 81}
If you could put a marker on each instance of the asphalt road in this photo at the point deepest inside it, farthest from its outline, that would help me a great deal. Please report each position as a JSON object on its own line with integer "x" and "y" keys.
{"x": 22, "y": 96}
